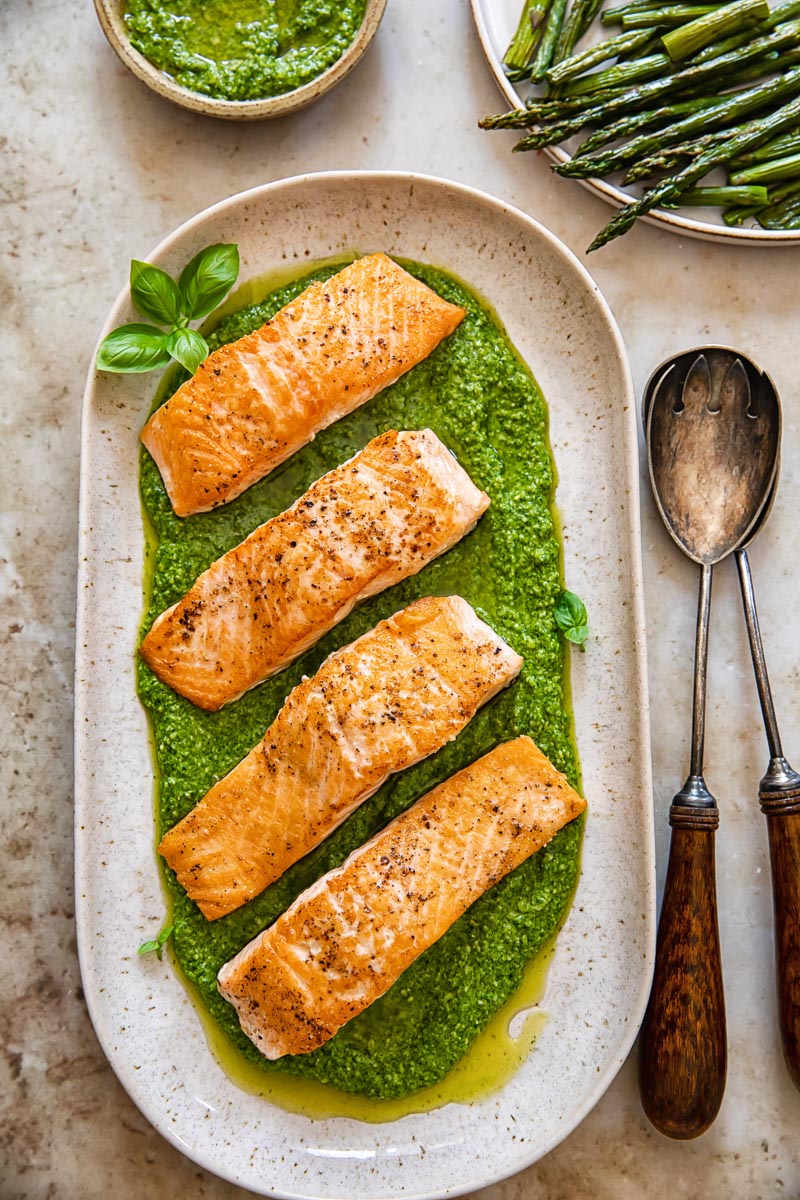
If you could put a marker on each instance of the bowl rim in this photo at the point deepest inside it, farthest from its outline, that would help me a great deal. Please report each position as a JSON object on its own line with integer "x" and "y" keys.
{"x": 109, "y": 14}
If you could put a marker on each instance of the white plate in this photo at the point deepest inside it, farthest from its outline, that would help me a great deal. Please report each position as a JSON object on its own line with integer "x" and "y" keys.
{"x": 496, "y": 21}
{"x": 599, "y": 977}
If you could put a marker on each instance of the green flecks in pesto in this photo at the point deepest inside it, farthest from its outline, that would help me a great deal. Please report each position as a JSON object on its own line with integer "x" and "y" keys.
{"x": 476, "y": 394}
{"x": 243, "y": 49}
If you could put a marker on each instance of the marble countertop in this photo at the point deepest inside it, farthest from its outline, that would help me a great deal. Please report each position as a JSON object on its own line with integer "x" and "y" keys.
{"x": 97, "y": 170}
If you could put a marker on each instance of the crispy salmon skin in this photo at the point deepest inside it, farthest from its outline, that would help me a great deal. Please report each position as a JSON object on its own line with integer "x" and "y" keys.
{"x": 256, "y": 401}
{"x": 345, "y": 940}
{"x": 391, "y": 698}
{"x": 364, "y": 526}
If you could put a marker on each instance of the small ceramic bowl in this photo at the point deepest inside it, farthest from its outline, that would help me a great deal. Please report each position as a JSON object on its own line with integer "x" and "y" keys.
{"x": 110, "y": 12}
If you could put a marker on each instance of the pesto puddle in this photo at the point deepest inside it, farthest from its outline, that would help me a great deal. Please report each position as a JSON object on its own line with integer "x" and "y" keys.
{"x": 243, "y": 49}
{"x": 479, "y": 398}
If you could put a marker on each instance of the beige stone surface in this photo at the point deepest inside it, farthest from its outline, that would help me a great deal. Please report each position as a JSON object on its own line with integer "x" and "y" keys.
{"x": 96, "y": 170}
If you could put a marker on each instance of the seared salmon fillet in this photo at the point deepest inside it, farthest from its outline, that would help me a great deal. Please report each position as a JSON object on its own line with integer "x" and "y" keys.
{"x": 367, "y": 524}
{"x": 256, "y": 401}
{"x": 375, "y": 707}
{"x": 345, "y": 940}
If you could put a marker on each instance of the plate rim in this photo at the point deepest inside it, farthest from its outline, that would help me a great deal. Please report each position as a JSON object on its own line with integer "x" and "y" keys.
{"x": 632, "y": 525}
{"x": 660, "y": 217}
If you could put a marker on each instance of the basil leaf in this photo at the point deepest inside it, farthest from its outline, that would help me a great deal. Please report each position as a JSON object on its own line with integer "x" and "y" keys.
{"x": 207, "y": 279}
{"x": 133, "y": 348}
{"x": 158, "y": 943}
{"x": 154, "y": 293}
{"x": 189, "y": 347}
{"x": 571, "y": 617}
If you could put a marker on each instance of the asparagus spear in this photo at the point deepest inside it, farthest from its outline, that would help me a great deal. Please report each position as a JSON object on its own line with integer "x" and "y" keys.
{"x": 547, "y": 42}
{"x": 722, "y": 197}
{"x": 651, "y": 118}
{"x": 770, "y": 64}
{"x": 775, "y": 171}
{"x": 788, "y": 143}
{"x": 521, "y": 118}
{"x": 785, "y": 215}
{"x": 779, "y": 22}
{"x": 583, "y": 22}
{"x": 607, "y": 104}
{"x": 752, "y": 134}
{"x": 651, "y": 46}
{"x": 727, "y": 110}
{"x": 581, "y": 112}
{"x": 620, "y": 75}
{"x": 602, "y": 52}
{"x": 671, "y": 158}
{"x": 677, "y": 15}
{"x": 732, "y": 65}
{"x": 730, "y": 19}
{"x": 613, "y": 16}
{"x": 529, "y": 31}
{"x": 651, "y": 164}
{"x": 580, "y": 17}
{"x": 738, "y": 215}
{"x": 783, "y": 12}
{"x": 739, "y": 60}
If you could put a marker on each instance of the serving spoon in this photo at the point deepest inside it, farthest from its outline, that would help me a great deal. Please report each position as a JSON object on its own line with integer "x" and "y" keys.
{"x": 712, "y": 457}
{"x": 779, "y": 797}
{"x": 779, "y": 790}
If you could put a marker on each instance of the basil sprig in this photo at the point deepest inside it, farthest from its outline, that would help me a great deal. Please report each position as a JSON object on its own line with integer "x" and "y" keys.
{"x": 157, "y": 943}
{"x": 204, "y": 283}
{"x": 571, "y": 617}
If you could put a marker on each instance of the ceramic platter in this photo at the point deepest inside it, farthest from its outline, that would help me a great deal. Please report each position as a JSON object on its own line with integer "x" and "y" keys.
{"x": 496, "y": 21}
{"x": 599, "y": 977}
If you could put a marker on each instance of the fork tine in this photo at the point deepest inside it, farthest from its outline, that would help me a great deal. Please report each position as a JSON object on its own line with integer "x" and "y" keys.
{"x": 696, "y": 385}
{"x": 735, "y": 389}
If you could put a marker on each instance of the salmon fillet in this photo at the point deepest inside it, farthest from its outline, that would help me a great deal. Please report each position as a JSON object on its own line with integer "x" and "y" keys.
{"x": 345, "y": 940}
{"x": 256, "y": 401}
{"x": 364, "y": 526}
{"x": 375, "y": 707}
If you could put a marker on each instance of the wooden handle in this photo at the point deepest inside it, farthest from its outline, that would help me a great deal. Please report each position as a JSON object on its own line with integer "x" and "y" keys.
{"x": 682, "y": 1045}
{"x": 784, "y": 853}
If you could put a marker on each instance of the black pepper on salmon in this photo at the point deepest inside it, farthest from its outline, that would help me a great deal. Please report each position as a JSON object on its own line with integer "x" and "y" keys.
{"x": 254, "y": 402}
{"x": 345, "y": 940}
{"x": 393, "y": 697}
{"x": 364, "y": 526}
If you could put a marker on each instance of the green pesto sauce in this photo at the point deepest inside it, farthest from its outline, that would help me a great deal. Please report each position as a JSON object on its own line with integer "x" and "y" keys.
{"x": 480, "y": 399}
{"x": 243, "y": 49}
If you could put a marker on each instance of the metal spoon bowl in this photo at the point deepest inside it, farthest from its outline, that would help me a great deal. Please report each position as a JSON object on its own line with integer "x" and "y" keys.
{"x": 711, "y": 478}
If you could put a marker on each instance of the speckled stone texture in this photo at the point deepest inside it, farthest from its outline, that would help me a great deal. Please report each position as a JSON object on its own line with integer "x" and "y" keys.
{"x": 96, "y": 170}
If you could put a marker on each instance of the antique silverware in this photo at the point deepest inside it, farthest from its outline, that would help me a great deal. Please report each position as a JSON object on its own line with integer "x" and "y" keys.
{"x": 712, "y": 465}
{"x": 779, "y": 797}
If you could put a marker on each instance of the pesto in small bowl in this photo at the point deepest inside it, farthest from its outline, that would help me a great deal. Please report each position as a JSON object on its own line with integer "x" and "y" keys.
{"x": 243, "y": 49}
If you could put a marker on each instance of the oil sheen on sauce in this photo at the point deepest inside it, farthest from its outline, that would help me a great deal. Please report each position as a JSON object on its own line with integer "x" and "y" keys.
{"x": 441, "y": 1032}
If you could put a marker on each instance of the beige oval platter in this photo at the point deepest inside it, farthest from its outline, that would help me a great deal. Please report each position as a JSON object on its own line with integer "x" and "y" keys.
{"x": 110, "y": 15}
{"x": 599, "y": 976}
{"x": 495, "y": 21}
